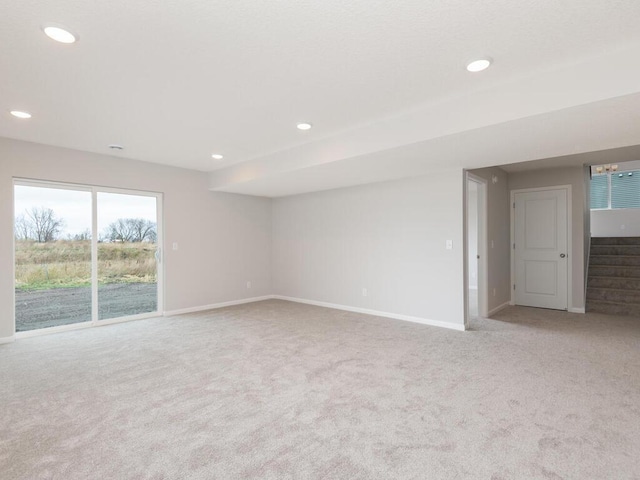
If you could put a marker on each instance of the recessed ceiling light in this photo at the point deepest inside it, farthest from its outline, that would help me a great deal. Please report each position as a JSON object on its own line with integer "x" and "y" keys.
{"x": 115, "y": 146}
{"x": 304, "y": 126}
{"x": 59, "y": 33}
{"x": 479, "y": 65}
{"x": 217, "y": 156}
{"x": 19, "y": 114}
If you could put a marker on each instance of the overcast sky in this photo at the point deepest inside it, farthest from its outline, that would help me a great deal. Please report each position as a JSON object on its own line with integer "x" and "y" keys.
{"x": 74, "y": 207}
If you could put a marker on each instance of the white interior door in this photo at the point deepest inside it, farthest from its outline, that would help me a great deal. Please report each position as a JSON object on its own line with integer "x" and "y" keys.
{"x": 541, "y": 266}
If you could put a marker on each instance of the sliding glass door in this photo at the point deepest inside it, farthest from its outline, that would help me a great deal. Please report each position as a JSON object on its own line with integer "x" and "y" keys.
{"x": 52, "y": 257}
{"x": 127, "y": 255}
{"x": 85, "y": 255}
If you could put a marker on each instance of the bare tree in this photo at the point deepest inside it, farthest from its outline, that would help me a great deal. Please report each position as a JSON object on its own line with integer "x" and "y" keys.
{"x": 40, "y": 224}
{"x": 82, "y": 236}
{"x": 22, "y": 228}
{"x": 131, "y": 230}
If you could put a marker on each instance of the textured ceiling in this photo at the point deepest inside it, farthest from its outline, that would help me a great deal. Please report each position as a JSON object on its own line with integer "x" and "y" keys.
{"x": 175, "y": 81}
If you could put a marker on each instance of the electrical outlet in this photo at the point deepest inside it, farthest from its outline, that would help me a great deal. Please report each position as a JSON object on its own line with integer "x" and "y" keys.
{"x": 365, "y": 292}
{"x": 449, "y": 245}
{"x": 175, "y": 245}
{"x": 494, "y": 292}
{"x": 248, "y": 284}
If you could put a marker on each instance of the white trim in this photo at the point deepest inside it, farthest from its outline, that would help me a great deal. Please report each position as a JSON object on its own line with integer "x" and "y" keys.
{"x": 588, "y": 175}
{"x": 577, "y": 310}
{"x": 82, "y": 325}
{"x": 160, "y": 248}
{"x": 13, "y": 260}
{"x": 94, "y": 256}
{"x": 10, "y": 339}
{"x": 213, "y": 306}
{"x": 570, "y": 247}
{"x": 57, "y": 329}
{"x": 568, "y": 188}
{"x": 499, "y": 308}
{"x": 366, "y": 311}
{"x": 30, "y": 182}
{"x": 483, "y": 248}
{"x": 85, "y": 187}
{"x": 128, "y": 318}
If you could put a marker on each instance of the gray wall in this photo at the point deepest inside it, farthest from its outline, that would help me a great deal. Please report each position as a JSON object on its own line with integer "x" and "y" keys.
{"x": 616, "y": 223}
{"x": 224, "y": 239}
{"x": 573, "y": 176}
{"x": 498, "y": 231}
{"x": 327, "y": 246}
{"x": 387, "y": 237}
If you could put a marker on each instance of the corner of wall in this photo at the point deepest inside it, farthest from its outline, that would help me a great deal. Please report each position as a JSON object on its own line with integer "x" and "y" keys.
{"x": 5, "y": 340}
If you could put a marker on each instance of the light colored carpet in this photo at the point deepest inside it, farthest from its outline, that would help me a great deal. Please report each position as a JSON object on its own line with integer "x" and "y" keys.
{"x": 278, "y": 390}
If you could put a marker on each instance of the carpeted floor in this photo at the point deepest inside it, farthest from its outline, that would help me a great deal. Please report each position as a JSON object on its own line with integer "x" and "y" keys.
{"x": 277, "y": 390}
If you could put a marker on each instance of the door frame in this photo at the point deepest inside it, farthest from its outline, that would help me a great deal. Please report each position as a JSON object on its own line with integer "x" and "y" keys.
{"x": 94, "y": 190}
{"x": 568, "y": 189}
{"x": 483, "y": 277}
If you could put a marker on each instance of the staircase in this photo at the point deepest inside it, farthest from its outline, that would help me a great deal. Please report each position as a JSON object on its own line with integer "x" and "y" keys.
{"x": 613, "y": 285}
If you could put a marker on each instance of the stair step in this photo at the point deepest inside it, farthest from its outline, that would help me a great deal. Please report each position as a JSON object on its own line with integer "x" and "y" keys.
{"x": 615, "y": 241}
{"x": 613, "y": 308}
{"x": 621, "y": 283}
{"x": 617, "y": 260}
{"x": 615, "y": 250}
{"x": 614, "y": 295}
{"x": 613, "y": 284}
{"x": 613, "y": 271}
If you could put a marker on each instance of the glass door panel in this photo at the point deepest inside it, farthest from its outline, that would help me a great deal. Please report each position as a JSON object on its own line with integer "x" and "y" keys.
{"x": 127, "y": 245}
{"x": 52, "y": 257}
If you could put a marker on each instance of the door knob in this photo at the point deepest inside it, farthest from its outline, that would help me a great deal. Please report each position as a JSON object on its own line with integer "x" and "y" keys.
{"x": 562, "y": 255}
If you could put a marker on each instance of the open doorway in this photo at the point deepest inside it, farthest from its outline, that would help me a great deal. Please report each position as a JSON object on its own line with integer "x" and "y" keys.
{"x": 476, "y": 249}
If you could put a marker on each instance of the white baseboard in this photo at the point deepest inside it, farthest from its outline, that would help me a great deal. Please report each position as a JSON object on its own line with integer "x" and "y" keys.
{"x": 10, "y": 339}
{"x": 493, "y": 311}
{"x": 366, "y": 311}
{"x": 213, "y": 306}
{"x": 570, "y": 310}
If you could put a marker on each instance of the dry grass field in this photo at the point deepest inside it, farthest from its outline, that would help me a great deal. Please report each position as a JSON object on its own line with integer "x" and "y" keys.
{"x": 67, "y": 263}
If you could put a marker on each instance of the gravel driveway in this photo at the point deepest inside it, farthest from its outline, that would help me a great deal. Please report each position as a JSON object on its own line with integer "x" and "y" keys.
{"x": 63, "y": 306}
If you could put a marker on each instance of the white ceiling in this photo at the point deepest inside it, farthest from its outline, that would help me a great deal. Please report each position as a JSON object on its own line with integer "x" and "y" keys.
{"x": 178, "y": 80}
